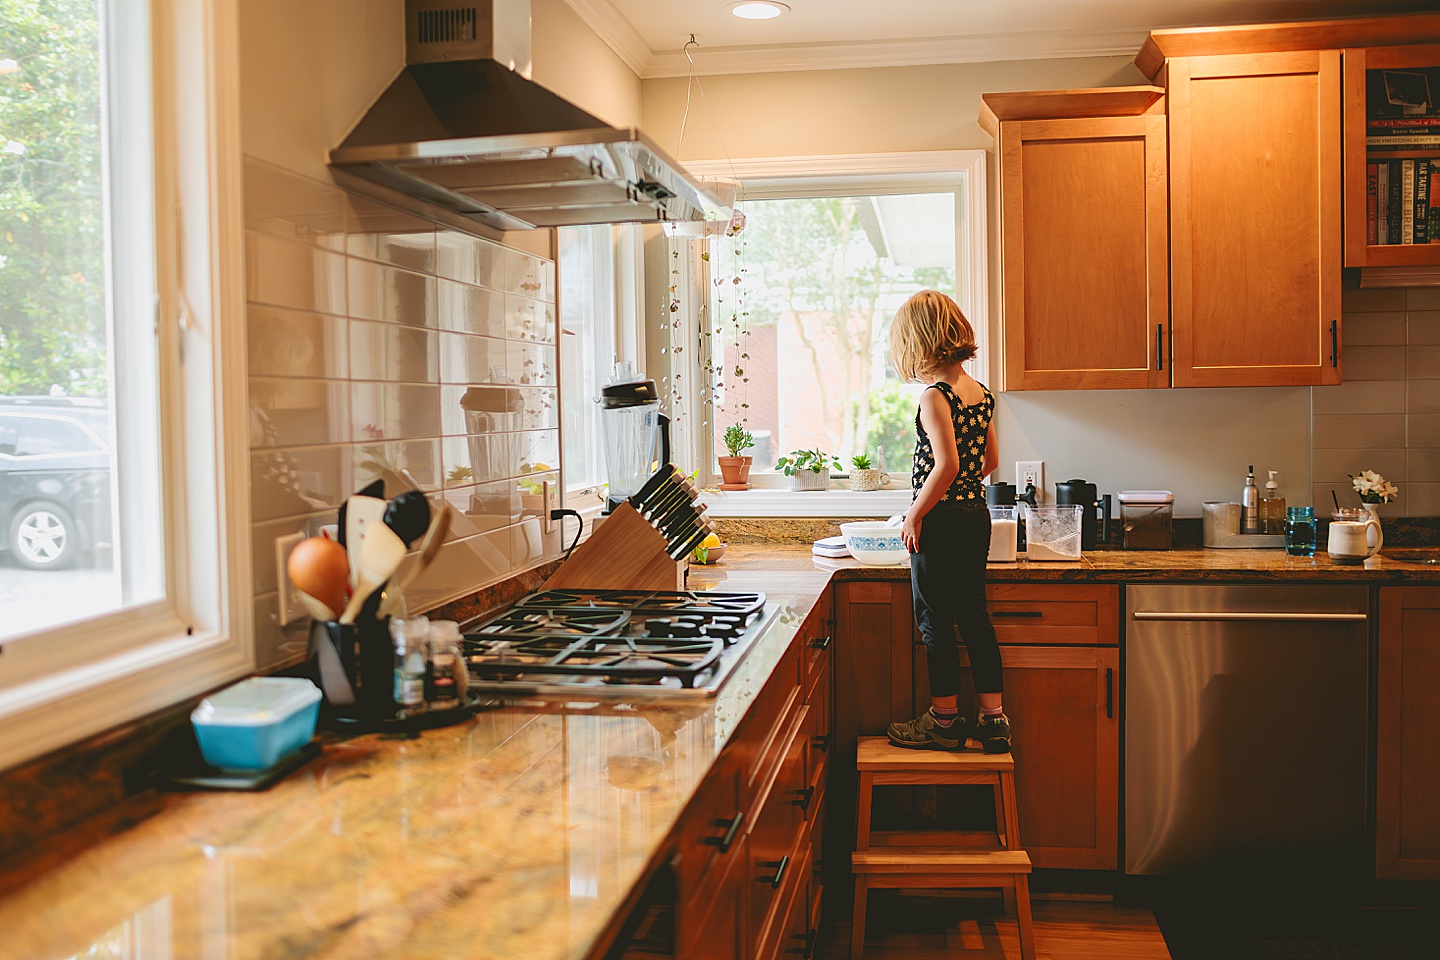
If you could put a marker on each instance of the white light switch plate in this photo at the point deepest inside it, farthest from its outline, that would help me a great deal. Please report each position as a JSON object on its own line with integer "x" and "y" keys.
{"x": 290, "y": 608}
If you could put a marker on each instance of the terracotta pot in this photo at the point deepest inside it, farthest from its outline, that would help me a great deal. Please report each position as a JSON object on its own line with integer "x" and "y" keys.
{"x": 735, "y": 473}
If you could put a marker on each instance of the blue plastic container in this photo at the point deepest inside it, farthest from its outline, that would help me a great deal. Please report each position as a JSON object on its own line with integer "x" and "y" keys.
{"x": 256, "y": 723}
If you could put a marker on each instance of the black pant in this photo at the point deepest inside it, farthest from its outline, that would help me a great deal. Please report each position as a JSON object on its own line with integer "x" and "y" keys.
{"x": 947, "y": 575}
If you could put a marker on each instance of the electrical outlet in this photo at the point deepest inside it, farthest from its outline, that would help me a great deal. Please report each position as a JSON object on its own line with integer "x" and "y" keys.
{"x": 1030, "y": 471}
{"x": 290, "y": 608}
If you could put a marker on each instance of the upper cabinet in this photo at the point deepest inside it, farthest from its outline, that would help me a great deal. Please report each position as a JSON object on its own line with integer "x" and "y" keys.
{"x": 1255, "y": 218}
{"x": 1269, "y": 183}
{"x": 1083, "y": 223}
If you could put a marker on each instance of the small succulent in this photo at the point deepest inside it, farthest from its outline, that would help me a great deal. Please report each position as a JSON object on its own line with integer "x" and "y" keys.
{"x": 862, "y": 462}
{"x": 737, "y": 438}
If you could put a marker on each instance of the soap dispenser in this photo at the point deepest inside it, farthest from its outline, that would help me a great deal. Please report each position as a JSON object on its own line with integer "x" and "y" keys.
{"x": 1250, "y": 505}
{"x": 1272, "y": 507}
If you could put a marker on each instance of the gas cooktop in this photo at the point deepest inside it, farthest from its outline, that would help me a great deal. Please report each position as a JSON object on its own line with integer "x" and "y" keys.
{"x": 613, "y": 643}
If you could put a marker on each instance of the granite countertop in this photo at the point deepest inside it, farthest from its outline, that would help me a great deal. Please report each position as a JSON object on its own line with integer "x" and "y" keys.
{"x": 794, "y": 567}
{"x": 519, "y": 833}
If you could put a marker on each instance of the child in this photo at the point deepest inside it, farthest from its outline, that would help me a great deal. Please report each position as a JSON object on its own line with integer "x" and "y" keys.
{"x": 947, "y": 528}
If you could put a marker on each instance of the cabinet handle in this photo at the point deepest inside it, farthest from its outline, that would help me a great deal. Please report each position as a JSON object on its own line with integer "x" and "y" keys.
{"x": 779, "y": 872}
{"x": 806, "y": 796}
{"x": 820, "y": 643}
{"x": 807, "y": 951}
{"x": 1109, "y": 693}
{"x": 1334, "y": 343}
{"x": 1016, "y": 614}
{"x": 732, "y": 827}
{"x": 821, "y": 743}
{"x": 1159, "y": 346}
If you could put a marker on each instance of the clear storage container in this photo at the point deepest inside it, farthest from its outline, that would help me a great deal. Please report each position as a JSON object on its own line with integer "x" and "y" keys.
{"x": 257, "y": 722}
{"x": 1053, "y": 533}
{"x": 1146, "y": 518}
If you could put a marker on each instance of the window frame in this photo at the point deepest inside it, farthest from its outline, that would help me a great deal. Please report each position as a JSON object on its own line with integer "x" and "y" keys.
{"x": 62, "y": 684}
{"x": 964, "y": 171}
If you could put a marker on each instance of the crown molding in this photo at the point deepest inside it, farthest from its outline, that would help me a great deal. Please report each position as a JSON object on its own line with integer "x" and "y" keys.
{"x": 619, "y": 34}
{"x": 976, "y": 48}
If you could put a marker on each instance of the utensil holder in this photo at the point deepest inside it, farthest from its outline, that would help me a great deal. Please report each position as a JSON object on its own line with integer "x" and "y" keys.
{"x": 353, "y": 665}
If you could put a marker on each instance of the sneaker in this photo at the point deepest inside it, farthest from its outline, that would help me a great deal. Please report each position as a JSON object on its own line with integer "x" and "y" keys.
{"x": 993, "y": 733}
{"x": 925, "y": 732}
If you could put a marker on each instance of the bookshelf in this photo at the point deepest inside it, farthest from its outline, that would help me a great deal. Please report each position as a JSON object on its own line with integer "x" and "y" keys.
{"x": 1374, "y": 80}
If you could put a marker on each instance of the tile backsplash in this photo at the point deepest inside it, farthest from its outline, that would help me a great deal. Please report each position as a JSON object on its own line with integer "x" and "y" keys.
{"x": 1386, "y": 415}
{"x": 385, "y": 345}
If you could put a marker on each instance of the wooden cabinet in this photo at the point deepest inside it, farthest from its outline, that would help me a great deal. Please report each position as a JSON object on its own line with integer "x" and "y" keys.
{"x": 1407, "y": 751}
{"x": 1365, "y": 95}
{"x": 1255, "y": 218}
{"x": 1062, "y": 687}
{"x": 1083, "y": 236}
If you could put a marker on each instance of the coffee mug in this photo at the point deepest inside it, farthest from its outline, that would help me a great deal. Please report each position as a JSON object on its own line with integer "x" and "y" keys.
{"x": 1354, "y": 536}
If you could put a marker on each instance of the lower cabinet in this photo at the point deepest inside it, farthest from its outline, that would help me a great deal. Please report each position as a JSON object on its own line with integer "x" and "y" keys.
{"x": 1060, "y": 648}
{"x": 1407, "y": 751}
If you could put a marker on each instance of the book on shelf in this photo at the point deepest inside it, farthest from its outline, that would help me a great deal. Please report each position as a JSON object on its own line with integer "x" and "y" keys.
{"x": 1394, "y": 231}
{"x": 1372, "y": 203}
{"x": 1430, "y": 120}
{"x": 1382, "y": 188}
{"x": 1421, "y": 227}
{"x": 1400, "y": 142}
{"x": 1407, "y": 201}
{"x": 1433, "y": 231}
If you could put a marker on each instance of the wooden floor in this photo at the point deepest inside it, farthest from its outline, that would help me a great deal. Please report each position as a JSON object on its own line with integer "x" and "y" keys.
{"x": 952, "y": 928}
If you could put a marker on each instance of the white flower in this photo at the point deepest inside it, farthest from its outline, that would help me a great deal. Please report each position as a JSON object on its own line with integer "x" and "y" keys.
{"x": 3, "y": 261}
{"x": 15, "y": 147}
{"x": 1373, "y": 488}
{"x": 8, "y": 66}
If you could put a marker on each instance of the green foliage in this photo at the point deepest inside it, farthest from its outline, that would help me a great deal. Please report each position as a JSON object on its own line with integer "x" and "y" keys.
{"x": 52, "y": 258}
{"x": 892, "y": 425}
{"x": 737, "y": 438}
{"x": 862, "y": 462}
{"x": 816, "y": 461}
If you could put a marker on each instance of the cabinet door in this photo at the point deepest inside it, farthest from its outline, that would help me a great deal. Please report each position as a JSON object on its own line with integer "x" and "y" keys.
{"x": 1064, "y": 707}
{"x": 1407, "y": 752}
{"x": 1255, "y": 156}
{"x": 722, "y": 935}
{"x": 1085, "y": 253}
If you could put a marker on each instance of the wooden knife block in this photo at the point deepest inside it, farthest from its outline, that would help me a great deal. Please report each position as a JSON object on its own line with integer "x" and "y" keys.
{"x": 624, "y": 553}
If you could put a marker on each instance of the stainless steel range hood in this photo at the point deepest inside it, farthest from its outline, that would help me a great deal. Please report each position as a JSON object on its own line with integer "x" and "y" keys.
{"x": 464, "y": 128}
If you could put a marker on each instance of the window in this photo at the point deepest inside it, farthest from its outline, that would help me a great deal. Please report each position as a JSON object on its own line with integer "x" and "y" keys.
{"x": 123, "y": 512}
{"x": 800, "y": 302}
{"x": 598, "y": 295}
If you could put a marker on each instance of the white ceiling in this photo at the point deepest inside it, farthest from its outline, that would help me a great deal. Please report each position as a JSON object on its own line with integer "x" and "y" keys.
{"x": 819, "y": 34}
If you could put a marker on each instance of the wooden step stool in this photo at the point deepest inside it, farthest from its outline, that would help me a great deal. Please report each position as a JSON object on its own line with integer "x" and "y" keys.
{"x": 938, "y": 859}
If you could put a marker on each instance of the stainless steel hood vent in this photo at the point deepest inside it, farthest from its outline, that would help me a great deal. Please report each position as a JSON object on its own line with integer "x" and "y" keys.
{"x": 463, "y": 127}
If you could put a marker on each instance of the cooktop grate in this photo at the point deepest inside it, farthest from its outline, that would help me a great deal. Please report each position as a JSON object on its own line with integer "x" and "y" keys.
{"x": 655, "y": 601}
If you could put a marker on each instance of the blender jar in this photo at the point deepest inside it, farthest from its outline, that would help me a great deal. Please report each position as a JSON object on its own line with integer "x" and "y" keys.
{"x": 632, "y": 423}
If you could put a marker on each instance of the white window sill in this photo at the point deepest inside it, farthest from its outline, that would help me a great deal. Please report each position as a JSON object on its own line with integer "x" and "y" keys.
{"x": 808, "y": 503}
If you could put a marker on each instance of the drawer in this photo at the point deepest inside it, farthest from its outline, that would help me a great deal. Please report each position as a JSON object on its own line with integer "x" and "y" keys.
{"x": 789, "y": 937}
{"x": 709, "y": 836}
{"x": 1055, "y": 613}
{"x": 818, "y": 636}
{"x": 819, "y": 727}
{"x": 769, "y": 718}
{"x": 779, "y": 822}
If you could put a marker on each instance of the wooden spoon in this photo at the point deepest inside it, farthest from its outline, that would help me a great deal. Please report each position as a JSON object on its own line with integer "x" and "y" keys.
{"x": 380, "y": 557}
{"x": 429, "y": 549}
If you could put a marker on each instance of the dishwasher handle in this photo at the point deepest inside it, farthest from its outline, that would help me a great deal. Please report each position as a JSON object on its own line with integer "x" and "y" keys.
{"x": 1264, "y": 617}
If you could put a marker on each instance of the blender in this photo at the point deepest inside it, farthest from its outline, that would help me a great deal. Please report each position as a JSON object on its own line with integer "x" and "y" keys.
{"x": 632, "y": 424}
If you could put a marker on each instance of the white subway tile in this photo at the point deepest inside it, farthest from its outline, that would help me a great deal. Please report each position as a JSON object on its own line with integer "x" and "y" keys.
{"x": 1423, "y": 327}
{"x": 1360, "y": 396}
{"x": 382, "y": 292}
{"x": 1374, "y": 329}
{"x": 466, "y": 359}
{"x": 302, "y": 480}
{"x": 293, "y": 343}
{"x": 1374, "y": 363}
{"x": 283, "y": 273}
{"x": 1372, "y": 298}
{"x": 1422, "y": 363}
{"x": 291, "y": 412}
{"x": 1336, "y": 466}
{"x": 1422, "y": 465}
{"x": 392, "y": 351}
{"x": 1344, "y": 430}
{"x": 379, "y": 232}
{"x": 287, "y": 205}
{"x": 468, "y": 309}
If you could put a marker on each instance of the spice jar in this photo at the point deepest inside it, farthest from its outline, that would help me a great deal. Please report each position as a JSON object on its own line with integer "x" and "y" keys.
{"x": 443, "y": 671}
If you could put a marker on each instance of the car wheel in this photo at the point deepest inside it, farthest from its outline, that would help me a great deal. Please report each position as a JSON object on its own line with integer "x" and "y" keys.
{"x": 44, "y": 536}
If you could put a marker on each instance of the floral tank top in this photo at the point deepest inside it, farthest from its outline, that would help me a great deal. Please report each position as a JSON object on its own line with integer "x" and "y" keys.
{"x": 972, "y": 424}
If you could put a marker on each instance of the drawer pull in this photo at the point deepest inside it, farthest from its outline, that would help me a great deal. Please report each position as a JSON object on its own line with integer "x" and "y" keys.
{"x": 1334, "y": 343}
{"x": 820, "y": 643}
{"x": 779, "y": 866}
{"x": 806, "y": 796}
{"x": 1016, "y": 614}
{"x": 732, "y": 827}
{"x": 821, "y": 743}
{"x": 1109, "y": 693}
{"x": 807, "y": 951}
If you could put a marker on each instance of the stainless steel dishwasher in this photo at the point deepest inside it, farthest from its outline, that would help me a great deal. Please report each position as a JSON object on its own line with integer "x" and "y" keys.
{"x": 1246, "y": 725}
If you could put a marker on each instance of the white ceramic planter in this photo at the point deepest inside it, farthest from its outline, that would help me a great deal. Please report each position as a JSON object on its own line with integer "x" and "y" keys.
{"x": 866, "y": 479}
{"x": 810, "y": 480}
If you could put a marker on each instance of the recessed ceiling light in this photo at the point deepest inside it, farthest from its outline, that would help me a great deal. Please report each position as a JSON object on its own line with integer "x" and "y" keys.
{"x": 758, "y": 9}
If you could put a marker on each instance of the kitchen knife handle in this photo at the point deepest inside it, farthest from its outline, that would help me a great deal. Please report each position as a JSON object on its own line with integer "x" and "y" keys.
{"x": 1109, "y": 693}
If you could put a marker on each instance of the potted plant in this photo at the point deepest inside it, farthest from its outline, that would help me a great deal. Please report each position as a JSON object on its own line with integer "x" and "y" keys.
{"x": 864, "y": 475}
{"x": 808, "y": 469}
{"x": 735, "y": 469}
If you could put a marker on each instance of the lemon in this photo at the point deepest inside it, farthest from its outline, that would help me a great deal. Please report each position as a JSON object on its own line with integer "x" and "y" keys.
{"x": 711, "y": 541}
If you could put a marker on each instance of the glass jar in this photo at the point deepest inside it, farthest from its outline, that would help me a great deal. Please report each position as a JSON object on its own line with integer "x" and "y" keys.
{"x": 1300, "y": 531}
{"x": 443, "y": 670}
{"x": 1146, "y": 519}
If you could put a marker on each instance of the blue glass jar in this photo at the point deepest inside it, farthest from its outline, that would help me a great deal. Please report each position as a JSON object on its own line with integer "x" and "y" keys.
{"x": 1300, "y": 531}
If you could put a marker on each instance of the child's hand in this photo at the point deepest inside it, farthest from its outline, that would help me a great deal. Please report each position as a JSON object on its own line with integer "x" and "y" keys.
{"x": 910, "y": 532}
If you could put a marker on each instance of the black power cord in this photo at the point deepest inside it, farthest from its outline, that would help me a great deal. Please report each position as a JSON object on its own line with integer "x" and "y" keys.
{"x": 560, "y": 513}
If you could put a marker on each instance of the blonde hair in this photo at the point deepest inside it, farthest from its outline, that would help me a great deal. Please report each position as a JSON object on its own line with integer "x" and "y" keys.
{"x": 929, "y": 331}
